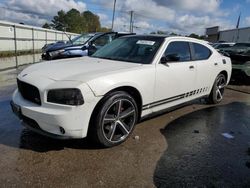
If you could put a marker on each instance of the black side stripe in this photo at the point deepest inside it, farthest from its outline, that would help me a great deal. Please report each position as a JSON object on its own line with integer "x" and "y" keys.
{"x": 175, "y": 98}
{"x": 163, "y": 101}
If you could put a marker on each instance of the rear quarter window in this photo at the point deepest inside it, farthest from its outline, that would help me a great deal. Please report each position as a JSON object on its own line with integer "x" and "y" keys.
{"x": 201, "y": 52}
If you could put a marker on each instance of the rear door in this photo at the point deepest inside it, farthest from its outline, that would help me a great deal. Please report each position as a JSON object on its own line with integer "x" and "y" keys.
{"x": 206, "y": 67}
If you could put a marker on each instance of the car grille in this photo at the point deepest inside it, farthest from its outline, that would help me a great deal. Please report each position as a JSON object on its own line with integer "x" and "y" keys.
{"x": 29, "y": 92}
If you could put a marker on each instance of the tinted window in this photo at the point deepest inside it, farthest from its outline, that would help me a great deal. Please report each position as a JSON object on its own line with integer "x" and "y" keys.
{"x": 242, "y": 45}
{"x": 180, "y": 50}
{"x": 136, "y": 49}
{"x": 103, "y": 40}
{"x": 81, "y": 39}
{"x": 201, "y": 52}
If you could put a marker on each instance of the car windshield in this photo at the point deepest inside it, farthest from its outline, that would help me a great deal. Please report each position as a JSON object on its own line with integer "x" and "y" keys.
{"x": 136, "y": 49}
{"x": 81, "y": 39}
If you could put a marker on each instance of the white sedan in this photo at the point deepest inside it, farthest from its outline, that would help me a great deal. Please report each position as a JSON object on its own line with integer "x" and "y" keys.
{"x": 131, "y": 78}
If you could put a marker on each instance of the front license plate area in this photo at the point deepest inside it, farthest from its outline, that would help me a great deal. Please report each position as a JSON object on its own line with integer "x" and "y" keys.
{"x": 16, "y": 109}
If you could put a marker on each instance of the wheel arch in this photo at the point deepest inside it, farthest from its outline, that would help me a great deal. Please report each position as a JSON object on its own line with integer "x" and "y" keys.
{"x": 225, "y": 74}
{"x": 135, "y": 93}
{"x": 130, "y": 90}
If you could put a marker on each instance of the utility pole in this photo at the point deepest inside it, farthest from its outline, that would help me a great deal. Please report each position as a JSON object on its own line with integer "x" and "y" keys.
{"x": 131, "y": 21}
{"x": 113, "y": 16}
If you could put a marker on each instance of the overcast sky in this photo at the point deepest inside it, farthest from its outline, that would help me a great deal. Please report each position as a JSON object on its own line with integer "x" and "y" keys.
{"x": 179, "y": 16}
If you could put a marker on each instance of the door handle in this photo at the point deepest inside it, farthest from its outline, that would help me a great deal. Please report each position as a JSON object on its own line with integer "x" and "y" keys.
{"x": 215, "y": 64}
{"x": 191, "y": 67}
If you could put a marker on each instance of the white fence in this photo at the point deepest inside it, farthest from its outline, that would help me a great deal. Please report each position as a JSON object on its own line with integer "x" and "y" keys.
{"x": 17, "y": 37}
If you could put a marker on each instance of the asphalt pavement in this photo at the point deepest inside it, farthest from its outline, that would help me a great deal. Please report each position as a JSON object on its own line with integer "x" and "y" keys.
{"x": 198, "y": 145}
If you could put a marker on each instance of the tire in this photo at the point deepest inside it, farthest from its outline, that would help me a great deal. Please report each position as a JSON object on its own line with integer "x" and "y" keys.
{"x": 114, "y": 119}
{"x": 217, "y": 91}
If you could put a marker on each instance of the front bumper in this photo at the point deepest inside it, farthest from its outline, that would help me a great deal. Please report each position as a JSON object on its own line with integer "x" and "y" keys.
{"x": 32, "y": 124}
{"x": 46, "y": 56}
{"x": 57, "y": 121}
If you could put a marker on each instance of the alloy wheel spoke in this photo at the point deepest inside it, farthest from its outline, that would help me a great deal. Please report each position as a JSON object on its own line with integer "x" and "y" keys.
{"x": 109, "y": 118}
{"x": 218, "y": 94}
{"x": 127, "y": 113}
{"x": 111, "y": 132}
{"x": 118, "y": 107}
{"x": 123, "y": 127}
{"x": 221, "y": 86}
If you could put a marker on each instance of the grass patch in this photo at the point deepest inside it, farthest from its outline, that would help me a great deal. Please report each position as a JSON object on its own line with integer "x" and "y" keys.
{"x": 19, "y": 53}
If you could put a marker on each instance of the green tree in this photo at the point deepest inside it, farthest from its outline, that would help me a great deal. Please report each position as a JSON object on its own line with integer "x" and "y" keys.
{"x": 105, "y": 29}
{"x": 193, "y": 35}
{"x": 76, "y": 22}
{"x": 159, "y": 32}
{"x": 92, "y": 21}
{"x": 73, "y": 21}
{"x": 173, "y": 34}
{"x": 59, "y": 22}
{"x": 46, "y": 26}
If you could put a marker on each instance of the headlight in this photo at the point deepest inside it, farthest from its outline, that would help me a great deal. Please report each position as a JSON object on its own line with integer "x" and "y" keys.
{"x": 56, "y": 52}
{"x": 65, "y": 96}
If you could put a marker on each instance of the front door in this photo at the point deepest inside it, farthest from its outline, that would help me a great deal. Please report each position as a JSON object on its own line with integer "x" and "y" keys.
{"x": 175, "y": 80}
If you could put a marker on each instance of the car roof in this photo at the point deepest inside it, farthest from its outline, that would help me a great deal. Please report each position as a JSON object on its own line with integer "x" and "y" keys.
{"x": 152, "y": 36}
{"x": 145, "y": 36}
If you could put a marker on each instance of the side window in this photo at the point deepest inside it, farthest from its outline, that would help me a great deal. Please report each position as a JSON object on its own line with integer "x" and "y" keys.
{"x": 178, "y": 51}
{"x": 201, "y": 52}
{"x": 103, "y": 40}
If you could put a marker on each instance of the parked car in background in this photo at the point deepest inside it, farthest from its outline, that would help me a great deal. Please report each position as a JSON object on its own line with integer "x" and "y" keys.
{"x": 241, "y": 67}
{"x": 131, "y": 78}
{"x": 238, "y": 48}
{"x": 223, "y": 45}
{"x": 82, "y": 45}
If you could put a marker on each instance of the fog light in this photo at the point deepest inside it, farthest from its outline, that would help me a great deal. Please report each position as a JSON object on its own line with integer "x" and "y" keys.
{"x": 62, "y": 130}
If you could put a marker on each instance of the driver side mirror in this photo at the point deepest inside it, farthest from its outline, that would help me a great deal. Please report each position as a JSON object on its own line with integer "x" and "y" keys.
{"x": 84, "y": 48}
{"x": 170, "y": 58}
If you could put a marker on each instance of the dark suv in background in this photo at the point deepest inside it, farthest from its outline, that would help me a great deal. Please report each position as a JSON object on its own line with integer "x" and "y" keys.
{"x": 85, "y": 44}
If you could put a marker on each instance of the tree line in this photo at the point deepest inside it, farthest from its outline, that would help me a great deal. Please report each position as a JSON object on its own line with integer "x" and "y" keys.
{"x": 192, "y": 35}
{"x": 87, "y": 22}
{"x": 76, "y": 22}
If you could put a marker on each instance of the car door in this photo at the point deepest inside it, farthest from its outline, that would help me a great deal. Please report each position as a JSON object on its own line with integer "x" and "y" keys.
{"x": 206, "y": 67}
{"x": 100, "y": 42}
{"x": 175, "y": 79}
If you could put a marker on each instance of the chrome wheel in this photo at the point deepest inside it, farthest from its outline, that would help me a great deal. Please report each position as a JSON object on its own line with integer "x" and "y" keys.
{"x": 220, "y": 84}
{"x": 119, "y": 120}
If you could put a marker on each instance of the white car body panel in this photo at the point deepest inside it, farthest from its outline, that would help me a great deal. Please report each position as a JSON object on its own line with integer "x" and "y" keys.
{"x": 96, "y": 77}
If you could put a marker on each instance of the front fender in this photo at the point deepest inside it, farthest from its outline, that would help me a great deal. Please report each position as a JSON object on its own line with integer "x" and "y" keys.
{"x": 142, "y": 80}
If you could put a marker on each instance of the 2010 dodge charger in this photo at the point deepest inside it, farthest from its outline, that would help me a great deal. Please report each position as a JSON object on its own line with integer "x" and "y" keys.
{"x": 105, "y": 95}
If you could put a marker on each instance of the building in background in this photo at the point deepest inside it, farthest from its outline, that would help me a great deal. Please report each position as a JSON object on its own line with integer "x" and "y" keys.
{"x": 212, "y": 34}
{"x": 233, "y": 35}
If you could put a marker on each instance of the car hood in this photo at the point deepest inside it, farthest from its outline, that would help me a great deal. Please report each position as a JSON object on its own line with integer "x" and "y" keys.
{"x": 59, "y": 46}
{"x": 76, "y": 69}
